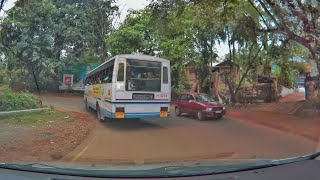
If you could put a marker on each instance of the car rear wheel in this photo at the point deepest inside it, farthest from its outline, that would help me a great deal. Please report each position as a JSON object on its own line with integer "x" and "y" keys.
{"x": 200, "y": 116}
{"x": 178, "y": 112}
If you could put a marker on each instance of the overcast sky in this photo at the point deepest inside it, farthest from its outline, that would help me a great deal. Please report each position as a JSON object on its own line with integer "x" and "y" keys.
{"x": 124, "y": 6}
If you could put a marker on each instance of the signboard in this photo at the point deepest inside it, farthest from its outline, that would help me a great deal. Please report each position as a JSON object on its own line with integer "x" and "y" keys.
{"x": 68, "y": 80}
{"x": 73, "y": 76}
{"x": 96, "y": 90}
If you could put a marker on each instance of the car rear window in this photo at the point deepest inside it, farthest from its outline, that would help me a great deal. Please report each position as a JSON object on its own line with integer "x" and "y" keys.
{"x": 184, "y": 97}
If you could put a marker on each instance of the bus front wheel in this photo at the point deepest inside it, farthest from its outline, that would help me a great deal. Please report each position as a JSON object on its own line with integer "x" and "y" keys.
{"x": 87, "y": 106}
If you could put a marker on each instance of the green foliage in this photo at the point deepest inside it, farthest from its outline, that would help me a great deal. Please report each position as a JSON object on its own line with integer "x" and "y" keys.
{"x": 10, "y": 101}
{"x": 134, "y": 34}
{"x": 3, "y": 75}
{"x": 190, "y": 30}
{"x": 42, "y": 36}
{"x": 125, "y": 41}
{"x": 181, "y": 86}
{"x": 286, "y": 74}
{"x": 294, "y": 20}
{"x": 281, "y": 55}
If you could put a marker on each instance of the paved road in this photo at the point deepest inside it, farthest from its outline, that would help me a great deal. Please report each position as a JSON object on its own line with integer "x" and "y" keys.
{"x": 180, "y": 138}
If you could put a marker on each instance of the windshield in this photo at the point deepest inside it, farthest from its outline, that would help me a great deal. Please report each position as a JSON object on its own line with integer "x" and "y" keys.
{"x": 204, "y": 98}
{"x": 100, "y": 84}
{"x": 143, "y": 76}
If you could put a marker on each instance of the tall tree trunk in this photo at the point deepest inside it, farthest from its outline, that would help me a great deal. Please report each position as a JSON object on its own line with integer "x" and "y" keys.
{"x": 229, "y": 83}
{"x": 233, "y": 97}
{"x": 229, "y": 44}
{"x": 36, "y": 80}
{"x": 251, "y": 62}
{"x": 56, "y": 80}
{"x": 234, "y": 52}
{"x": 104, "y": 52}
{"x": 57, "y": 55}
{"x": 210, "y": 69}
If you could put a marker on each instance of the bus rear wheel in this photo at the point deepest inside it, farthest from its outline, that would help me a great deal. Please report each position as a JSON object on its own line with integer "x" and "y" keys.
{"x": 108, "y": 119}
{"x": 99, "y": 113}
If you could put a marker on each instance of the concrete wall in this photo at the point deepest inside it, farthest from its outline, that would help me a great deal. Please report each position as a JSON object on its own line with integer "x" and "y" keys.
{"x": 286, "y": 91}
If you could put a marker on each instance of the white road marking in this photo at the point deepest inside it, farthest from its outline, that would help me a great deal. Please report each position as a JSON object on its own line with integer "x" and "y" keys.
{"x": 84, "y": 150}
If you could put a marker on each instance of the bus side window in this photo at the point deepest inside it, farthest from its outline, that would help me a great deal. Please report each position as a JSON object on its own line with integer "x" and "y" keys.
{"x": 105, "y": 76}
{"x": 165, "y": 79}
{"x": 100, "y": 77}
{"x": 96, "y": 79}
{"x": 121, "y": 72}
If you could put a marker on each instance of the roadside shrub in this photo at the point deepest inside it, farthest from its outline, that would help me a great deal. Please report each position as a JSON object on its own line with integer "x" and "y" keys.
{"x": 176, "y": 90}
{"x": 180, "y": 85}
{"x": 10, "y": 101}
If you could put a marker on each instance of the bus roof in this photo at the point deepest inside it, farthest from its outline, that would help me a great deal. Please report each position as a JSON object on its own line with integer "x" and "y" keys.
{"x": 128, "y": 56}
{"x": 142, "y": 57}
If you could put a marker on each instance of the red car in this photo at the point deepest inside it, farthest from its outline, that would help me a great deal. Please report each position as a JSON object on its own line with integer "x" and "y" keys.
{"x": 200, "y": 105}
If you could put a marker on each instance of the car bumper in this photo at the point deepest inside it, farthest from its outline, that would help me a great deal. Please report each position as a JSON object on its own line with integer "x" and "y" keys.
{"x": 212, "y": 114}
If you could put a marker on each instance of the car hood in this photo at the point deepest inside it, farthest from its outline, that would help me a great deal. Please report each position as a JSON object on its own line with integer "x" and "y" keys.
{"x": 209, "y": 104}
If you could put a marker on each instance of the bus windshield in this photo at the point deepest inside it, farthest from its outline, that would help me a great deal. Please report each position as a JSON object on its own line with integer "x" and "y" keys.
{"x": 143, "y": 76}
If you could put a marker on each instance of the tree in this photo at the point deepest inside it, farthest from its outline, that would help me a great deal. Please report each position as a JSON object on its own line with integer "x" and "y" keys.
{"x": 134, "y": 35}
{"x": 282, "y": 57}
{"x": 100, "y": 15}
{"x": 44, "y": 36}
{"x": 296, "y": 20}
{"x": 187, "y": 32}
{"x": 24, "y": 35}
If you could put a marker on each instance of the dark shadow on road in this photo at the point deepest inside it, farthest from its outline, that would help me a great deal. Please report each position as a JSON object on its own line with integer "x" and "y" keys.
{"x": 131, "y": 125}
{"x": 189, "y": 117}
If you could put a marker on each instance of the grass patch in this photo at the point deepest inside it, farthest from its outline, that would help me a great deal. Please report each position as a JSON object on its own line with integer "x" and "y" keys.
{"x": 36, "y": 118}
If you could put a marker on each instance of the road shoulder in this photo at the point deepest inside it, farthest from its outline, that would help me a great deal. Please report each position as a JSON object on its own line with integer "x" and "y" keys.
{"x": 47, "y": 142}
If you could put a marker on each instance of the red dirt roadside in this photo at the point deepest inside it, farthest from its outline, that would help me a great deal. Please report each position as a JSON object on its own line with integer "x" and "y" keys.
{"x": 287, "y": 115}
{"x": 49, "y": 143}
{"x": 307, "y": 127}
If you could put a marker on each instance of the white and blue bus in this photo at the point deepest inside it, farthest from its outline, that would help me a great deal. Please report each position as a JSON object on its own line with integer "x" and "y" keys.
{"x": 129, "y": 86}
